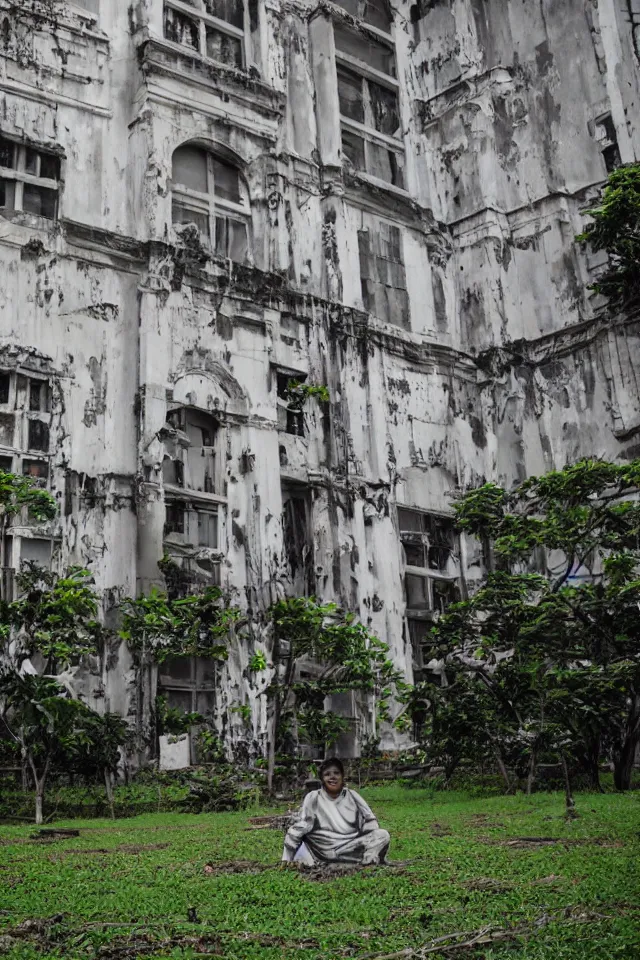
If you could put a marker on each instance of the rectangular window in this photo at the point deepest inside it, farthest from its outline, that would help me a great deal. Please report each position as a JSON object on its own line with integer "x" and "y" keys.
{"x": 368, "y": 94}
{"x": 418, "y": 637}
{"x": 605, "y": 131}
{"x": 174, "y": 519}
{"x": 37, "y": 470}
{"x": 213, "y": 28}
{"x": 431, "y": 560}
{"x": 38, "y": 436}
{"x": 208, "y": 529}
{"x": 29, "y": 180}
{"x": 290, "y": 416}
{"x": 5, "y": 386}
{"x": 382, "y": 274}
{"x": 298, "y": 545}
{"x": 6, "y": 464}
{"x": 7, "y": 429}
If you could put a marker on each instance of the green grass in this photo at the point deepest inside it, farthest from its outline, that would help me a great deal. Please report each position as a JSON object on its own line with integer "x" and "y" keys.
{"x": 463, "y": 876}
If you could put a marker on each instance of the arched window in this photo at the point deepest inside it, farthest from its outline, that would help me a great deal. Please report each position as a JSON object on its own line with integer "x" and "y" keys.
{"x": 210, "y": 193}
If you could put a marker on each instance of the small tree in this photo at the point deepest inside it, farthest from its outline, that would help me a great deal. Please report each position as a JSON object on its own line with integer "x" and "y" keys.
{"x": 98, "y": 752}
{"x": 557, "y": 650}
{"x": 615, "y": 227}
{"x": 156, "y": 627}
{"x": 44, "y": 721}
{"x": 348, "y": 655}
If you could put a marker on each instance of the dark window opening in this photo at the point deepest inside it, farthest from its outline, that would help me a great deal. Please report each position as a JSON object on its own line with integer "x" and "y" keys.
{"x": 38, "y": 396}
{"x": 36, "y": 470}
{"x": 296, "y": 529}
{"x": 7, "y": 429}
{"x": 375, "y": 53}
{"x": 6, "y": 464}
{"x": 5, "y": 386}
{"x": 174, "y": 519}
{"x": 293, "y": 414}
{"x": 377, "y": 13}
{"x": 605, "y": 131}
{"x": 38, "y": 436}
{"x": 222, "y": 42}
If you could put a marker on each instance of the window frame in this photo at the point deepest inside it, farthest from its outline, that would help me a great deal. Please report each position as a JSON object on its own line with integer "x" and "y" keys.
{"x": 21, "y": 178}
{"x": 367, "y": 73}
{"x": 211, "y": 205}
{"x": 205, "y": 19}
{"x": 424, "y": 572}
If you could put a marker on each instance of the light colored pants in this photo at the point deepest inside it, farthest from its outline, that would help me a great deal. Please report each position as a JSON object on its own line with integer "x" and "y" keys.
{"x": 366, "y": 849}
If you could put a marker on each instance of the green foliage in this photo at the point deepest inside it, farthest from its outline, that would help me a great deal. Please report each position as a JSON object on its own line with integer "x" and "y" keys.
{"x": 210, "y": 748}
{"x": 616, "y": 229}
{"x": 549, "y": 660}
{"x": 173, "y": 722}
{"x": 298, "y": 393}
{"x": 57, "y": 614}
{"x": 157, "y": 627}
{"x": 18, "y": 492}
{"x": 258, "y": 662}
{"x": 351, "y": 658}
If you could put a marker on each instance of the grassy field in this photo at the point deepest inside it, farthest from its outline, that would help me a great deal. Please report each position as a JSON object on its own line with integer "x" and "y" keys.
{"x": 478, "y": 868}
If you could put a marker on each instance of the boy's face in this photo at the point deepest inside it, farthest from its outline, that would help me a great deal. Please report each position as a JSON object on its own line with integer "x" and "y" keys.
{"x": 332, "y": 781}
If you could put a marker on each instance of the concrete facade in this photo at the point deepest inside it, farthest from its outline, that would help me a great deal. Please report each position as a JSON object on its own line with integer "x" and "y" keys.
{"x": 202, "y": 200}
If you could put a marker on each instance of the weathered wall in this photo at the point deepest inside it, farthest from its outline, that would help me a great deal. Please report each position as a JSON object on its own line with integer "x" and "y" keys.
{"x": 502, "y": 365}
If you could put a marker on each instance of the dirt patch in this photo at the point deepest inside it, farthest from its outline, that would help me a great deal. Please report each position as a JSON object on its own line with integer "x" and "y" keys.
{"x": 536, "y": 843}
{"x": 236, "y": 866}
{"x": 270, "y": 823}
{"x": 132, "y": 848}
{"x": 440, "y": 830}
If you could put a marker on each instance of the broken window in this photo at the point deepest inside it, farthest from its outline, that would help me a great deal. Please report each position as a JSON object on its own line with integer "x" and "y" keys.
{"x": 188, "y": 684}
{"x": 5, "y": 387}
{"x": 382, "y": 274}
{"x": 418, "y": 631}
{"x": 368, "y": 94}
{"x": 431, "y": 559}
{"x": 174, "y": 519}
{"x": 7, "y": 429}
{"x": 36, "y": 550}
{"x": 190, "y": 440}
{"x": 605, "y": 131}
{"x": 38, "y": 435}
{"x": 376, "y": 13}
{"x": 37, "y": 470}
{"x": 209, "y": 193}
{"x": 29, "y": 180}
{"x": 296, "y": 531}
{"x": 39, "y": 396}
{"x": 213, "y": 28}
{"x": 290, "y": 413}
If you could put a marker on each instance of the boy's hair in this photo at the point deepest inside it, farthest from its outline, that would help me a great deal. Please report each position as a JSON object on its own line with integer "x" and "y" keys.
{"x": 331, "y": 762}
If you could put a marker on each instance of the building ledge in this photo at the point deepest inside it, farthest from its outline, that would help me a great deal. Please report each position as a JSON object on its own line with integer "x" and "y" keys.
{"x": 172, "y": 60}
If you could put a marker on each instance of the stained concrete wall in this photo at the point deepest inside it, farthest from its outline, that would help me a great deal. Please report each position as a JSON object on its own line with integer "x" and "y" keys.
{"x": 509, "y": 367}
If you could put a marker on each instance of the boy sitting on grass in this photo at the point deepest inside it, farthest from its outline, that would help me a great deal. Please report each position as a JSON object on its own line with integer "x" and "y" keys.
{"x": 335, "y": 825}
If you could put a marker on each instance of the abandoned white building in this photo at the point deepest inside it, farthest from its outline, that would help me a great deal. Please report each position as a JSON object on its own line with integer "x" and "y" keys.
{"x": 201, "y": 200}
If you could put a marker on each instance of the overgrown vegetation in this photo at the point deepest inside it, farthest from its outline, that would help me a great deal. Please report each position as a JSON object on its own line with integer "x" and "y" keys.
{"x": 615, "y": 228}
{"x": 509, "y": 872}
{"x": 346, "y": 657}
{"x": 543, "y": 662}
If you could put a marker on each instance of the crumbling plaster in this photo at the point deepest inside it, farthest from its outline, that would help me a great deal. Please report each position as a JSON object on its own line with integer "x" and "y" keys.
{"x": 509, "y": 366}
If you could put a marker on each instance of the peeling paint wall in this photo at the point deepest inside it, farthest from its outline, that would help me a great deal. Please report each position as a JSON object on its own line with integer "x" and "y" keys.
{"x": 490, "y": 358}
